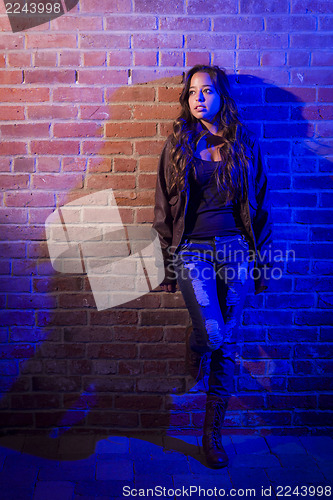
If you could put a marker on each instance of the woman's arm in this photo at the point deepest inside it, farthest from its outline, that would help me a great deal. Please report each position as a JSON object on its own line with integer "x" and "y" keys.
{"x": 163, "y": 222}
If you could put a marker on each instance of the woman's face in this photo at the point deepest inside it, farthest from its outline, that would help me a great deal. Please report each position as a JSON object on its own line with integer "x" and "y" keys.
{"x": 203, "y": 100}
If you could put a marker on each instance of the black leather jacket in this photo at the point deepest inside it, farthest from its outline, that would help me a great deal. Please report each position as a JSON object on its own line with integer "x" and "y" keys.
{"x": 170, "y": 211}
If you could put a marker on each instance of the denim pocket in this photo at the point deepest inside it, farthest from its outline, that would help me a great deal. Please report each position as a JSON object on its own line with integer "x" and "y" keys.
{"x": 243, "y": 241}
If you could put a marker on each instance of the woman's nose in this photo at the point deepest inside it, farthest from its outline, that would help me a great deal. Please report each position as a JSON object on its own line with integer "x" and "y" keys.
{"x": 200, "y": 96}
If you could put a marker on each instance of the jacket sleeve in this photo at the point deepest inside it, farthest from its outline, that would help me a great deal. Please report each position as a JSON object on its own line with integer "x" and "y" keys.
{"x": 163, "y": 222}
{"x": 262, "y": 223}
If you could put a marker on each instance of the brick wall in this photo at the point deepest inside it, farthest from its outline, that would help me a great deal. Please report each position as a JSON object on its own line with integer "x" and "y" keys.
{"x": 87, "y": 101}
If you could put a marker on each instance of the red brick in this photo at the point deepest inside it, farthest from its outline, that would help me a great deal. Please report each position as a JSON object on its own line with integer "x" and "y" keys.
{"x": 95, "y": 58}
{"x": 5, "y": 166}
{"x": 61, "y": 351}
{"x": 77, "y": 130}
{"x": 130, "y": 23}
{"x": 80, "y": 23}
{"x": 104, "y": 367}
{"x": 161, "y": 385}
{"x": 12, "y": 41}
{"x": 322, "y": 59}
{"x": 155, "y": 367}
{"x": 82, "y": 94}
{"x": 130, "y": 94}
{"x": 35, "y": 401}
{"x": 48, "y": 164}
{"x": 311, "y": 76}
{"x": 12, "y": 249}
{"x": 326, "y": 23}
{"x": 11, "y": 77}
{"x": 148, "y": 164}
{"x": 298, "y": 58}
{"x": 149, "y": 147}
{"x": 124, "y": 165}
{"x": 184, "y": 24}
{"x": 87, "y": 334}
{"x": 238, "y": 24}
{"x": 162, "y": 351}
{"x": 14, "y": 181}
{"x": 31, "y": 199}
{"x": 26, "y": 130}
{"x": 2, "y": 60}
{"x": 211, "y": 41}
{"x": 47, "y": 76}
{"x": 99, "y": 164}
{"x": 19, "y": 59}
{"x": 31, "y": 232}
{"x": 263, "y": 41}
{"x": 273, "y": 58}
{"x": 54, "y": 111}
{"x": 45, "y": 59}
{"x": 57, "y": 182}
{"x": 169, "y": 94}
{"x": 25, "y": 95}
{"x": 97, "y": 41}
{"x": 107, "y": 147}
{"x": 316, "y": 41}
{"x": 55, "y": 147}
{"x": 166, "y": 129}
{"x": 137, "y": 333}
{"x": 262, "y": 6}
{"x": 105, "y": 6}
{"x": 110, "y": 419}
{"x": 325, "y": 95}
{"x": 75, "y": 164}
{"x": 13, "y": 215}
{"x": 114, "y": 181}
{"x": 156, "y": 112}
{"x": 112, "y": 112}
{"x": 16, "y": 419}
{"x": 157, "y": 41}
{"x": 312, "y": 6}
{"x": 69, "y": 58}
{"x": 130, "y": 129}
{"x": 196, "y": 57}
{"x": 248, "y": 58}
{"x": 103, "y": 76}
{"x": 145, "y": 58}
{"x": 137, "y": 403}
{"x": 50, "y": 40}
{"x": 120, "y": 58}
{"x": 24, "y": 164}
{"x": 129, "y": 368}
{"x": 11, "y": 113}
{"x": 61, "y": 318}
{"x": 114, "y": 317}
{"x": 144, "y": 215}
{"x": 147, "y": 181}
{"x": 56, "y": 384}
{"x": 39, "y": 215}
{"x": 290, "y": 23}
{"x": 159, "y": 6}
{"x": 16, "y": 351}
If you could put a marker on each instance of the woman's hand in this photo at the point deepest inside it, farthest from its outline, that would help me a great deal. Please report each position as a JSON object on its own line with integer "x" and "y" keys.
{"x": 169, "y": 287}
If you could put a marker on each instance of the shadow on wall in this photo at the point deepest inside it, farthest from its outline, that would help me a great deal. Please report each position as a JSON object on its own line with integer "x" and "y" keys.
{"x": 121, "y": 370}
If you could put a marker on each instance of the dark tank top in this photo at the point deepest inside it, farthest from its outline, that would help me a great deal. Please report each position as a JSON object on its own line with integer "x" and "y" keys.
{"x": 208, "y": 214}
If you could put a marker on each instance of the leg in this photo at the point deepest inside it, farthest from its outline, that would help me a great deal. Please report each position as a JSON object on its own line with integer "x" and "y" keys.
{"x": 197, "y": 281}
{"x": 232, "y": 285}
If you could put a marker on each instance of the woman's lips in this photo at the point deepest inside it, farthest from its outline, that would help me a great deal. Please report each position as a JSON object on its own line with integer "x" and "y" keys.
{"x": 200, "y": 108}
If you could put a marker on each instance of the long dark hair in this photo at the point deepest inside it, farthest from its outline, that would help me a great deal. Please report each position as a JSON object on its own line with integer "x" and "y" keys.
{"x": 230, "y": 170}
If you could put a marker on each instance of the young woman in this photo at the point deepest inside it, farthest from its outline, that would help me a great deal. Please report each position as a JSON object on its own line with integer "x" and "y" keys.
{"x": 212, "y": 214}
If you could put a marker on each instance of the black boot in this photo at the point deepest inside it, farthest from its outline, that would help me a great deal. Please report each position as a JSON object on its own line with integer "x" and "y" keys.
{"x": 212, "y": 443}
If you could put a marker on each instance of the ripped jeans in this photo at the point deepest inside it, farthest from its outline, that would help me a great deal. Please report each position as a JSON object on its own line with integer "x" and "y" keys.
{"x": 213, "y": 275}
